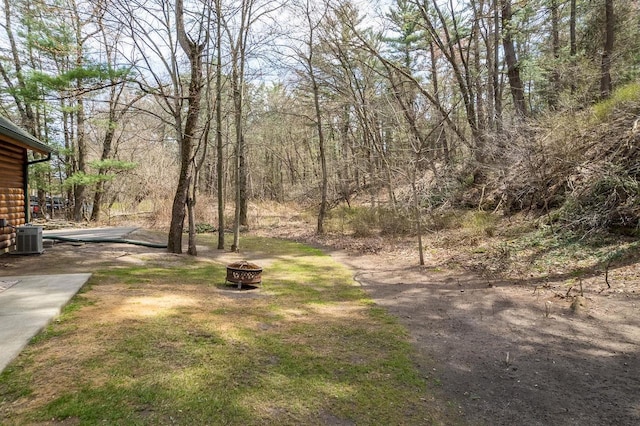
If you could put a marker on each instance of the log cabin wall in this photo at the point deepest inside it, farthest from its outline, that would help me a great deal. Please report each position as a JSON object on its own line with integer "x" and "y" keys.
{"x": 12, "y": 201}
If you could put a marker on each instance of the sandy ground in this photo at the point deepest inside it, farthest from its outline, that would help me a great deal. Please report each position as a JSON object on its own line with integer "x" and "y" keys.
{"x": 520, "y": 352}
{"x": 505, "y": 353}
{"x": 509, "y": 353}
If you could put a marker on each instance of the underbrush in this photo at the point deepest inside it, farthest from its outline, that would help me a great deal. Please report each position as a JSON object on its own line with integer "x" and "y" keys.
{"x": 622, "y": 99}
{"x": 512, "y": 246}
{"x": 580, "y": 167}
{"x": 527, "y": 246}
{"x": 364, "y": 222}
{"x": 610, "y": 201}
{"x": 547, "y": 253}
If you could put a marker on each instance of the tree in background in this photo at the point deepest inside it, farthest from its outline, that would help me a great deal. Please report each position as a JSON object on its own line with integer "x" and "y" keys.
{"x": 193, "y": 47}
{"x": 306, "y": 55}
{"x": 12, "y": 70}
{"x": 513, "y": 64}
{"x": 181, "y": 102}
{"x": 121, "y": 99}
{"x": 609, "y": 35}
{"x": 219, "y": 137}
{"x": 241, "y": 23}
{"x": 405, "y": 110}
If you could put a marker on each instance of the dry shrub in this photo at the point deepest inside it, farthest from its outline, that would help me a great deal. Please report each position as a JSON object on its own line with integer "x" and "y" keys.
{"x": 395, "y": 222}
{"x": 480, "y": 223}
{"x": 363, "y": 222}
{"x": 585, "y": 164}
{"x": 206, "y": 210}
{"x": 610, "y": 200}
{"x": 444, "y": 220}
{"x": 538, "y": 160}
{"x": 622, "y": 100}
{"x": 267, "y": 214}
{"x": 471, "y": 223}
{"x": 605, "y": 188}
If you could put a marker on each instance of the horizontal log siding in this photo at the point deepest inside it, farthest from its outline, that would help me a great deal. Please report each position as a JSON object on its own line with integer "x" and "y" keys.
{"x": 12, "y": 159}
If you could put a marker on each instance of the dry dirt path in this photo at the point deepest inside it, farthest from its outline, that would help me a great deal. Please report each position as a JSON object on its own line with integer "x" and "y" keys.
{"x": 509, "y": 354}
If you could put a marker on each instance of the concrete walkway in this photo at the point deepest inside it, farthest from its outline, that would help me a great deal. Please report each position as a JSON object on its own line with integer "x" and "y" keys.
{"x": 90, "y": 233}
{"x": 28, "y": 304}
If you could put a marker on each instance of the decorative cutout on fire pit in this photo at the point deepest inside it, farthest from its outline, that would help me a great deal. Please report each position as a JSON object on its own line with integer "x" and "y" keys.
{"x": 243, "y": 273}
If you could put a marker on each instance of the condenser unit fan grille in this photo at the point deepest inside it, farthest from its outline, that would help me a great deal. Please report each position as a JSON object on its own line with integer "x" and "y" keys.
{"x": 29, "y": 240}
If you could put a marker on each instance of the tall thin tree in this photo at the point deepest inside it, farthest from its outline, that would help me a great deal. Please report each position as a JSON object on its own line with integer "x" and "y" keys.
{"x": 513, "y": 65}
{"x": 609, "y": 33}
{"x": 194, "y": 49}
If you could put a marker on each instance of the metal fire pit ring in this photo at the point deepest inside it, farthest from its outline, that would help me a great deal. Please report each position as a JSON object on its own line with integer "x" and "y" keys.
{"x": 243, "y": 273}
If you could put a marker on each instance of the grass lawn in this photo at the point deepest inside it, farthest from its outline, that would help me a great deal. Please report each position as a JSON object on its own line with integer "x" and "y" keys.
{"x": 154, "y": 344}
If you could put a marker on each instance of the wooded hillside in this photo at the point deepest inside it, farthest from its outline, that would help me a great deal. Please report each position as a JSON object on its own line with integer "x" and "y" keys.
{"x": 185, "y": 109}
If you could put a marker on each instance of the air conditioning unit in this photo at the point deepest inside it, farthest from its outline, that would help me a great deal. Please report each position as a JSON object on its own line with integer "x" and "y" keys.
{"x": 29, "y": 240}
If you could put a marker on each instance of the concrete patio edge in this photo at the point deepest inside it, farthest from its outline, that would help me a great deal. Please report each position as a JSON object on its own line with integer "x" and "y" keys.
{"x": 29, "y": 304}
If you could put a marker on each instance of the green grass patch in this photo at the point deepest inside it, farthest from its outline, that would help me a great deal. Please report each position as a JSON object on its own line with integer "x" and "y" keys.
{"x": 161, "y": 345}
{"x": 629, "y": 93}
{"x": 480, "y": 223}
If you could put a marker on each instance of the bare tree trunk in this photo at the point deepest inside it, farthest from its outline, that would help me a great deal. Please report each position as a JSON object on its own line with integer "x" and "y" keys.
{"x": 554, "y": 78}
{"x": 497, "y": 93}
{"x": 573, "y": 45}
{"x": 81, "y": 159}
{"x": 191, "y": 212}
{"x": 67, "y": 128}
{"x": 323, "y": 160}
{"x": 605, "y": 70}
{"x": 186, "y": 136}
{"x": 442, "y": 138}
{"x": 244, "y": 193}
{"x": 106, "y": 152}
{"x": 81, "y": 143}
{"x": 416, "y": 215}
{"x": 174, "y": 244}
{"x": 308, "y": 61}
{"x": 513, "y": 66}
{"x": 238, "y": 59}
{"x": 477, "y": 72}
{"x": 237, "y": 100}
{"x": 219, "y": 144}
{"x": 321, "y": 142}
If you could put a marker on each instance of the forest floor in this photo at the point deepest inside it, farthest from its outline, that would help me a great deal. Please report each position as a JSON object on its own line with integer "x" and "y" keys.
{"x": 511, "y": 335}
{"x": 505, "y": 342}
